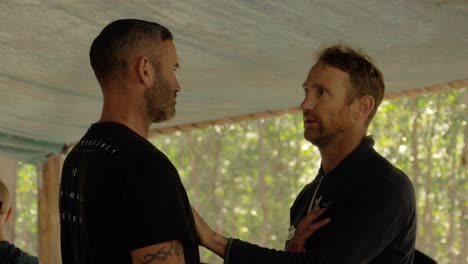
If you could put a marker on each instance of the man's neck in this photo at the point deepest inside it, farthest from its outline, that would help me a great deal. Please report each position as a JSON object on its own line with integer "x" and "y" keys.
{"x": 138, "y": 126}
{"x": 126, "y": 113}
{"x": 335, "y": 152}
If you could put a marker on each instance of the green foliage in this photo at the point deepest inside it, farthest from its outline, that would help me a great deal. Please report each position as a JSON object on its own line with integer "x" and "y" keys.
{"x": 243, "y": 177}
{"x": 26, "y": 209}
{"x": 423, "y": 136}
{"x": 427, "y": 140}
{"x": 224, "y": 167}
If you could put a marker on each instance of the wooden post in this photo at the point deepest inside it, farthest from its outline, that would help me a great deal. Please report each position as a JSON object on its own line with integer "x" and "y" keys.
{"x": 8, "y": 170}
{"x": 48, "y": 200}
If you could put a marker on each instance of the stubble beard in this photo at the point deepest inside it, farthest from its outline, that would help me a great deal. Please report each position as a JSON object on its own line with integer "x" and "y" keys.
{"x": 324, "y": 138}
{"x": 160, "y": 105}
{"x": 325, "y": 134}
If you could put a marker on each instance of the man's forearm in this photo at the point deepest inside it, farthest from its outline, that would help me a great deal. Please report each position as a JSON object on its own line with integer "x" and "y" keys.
{"x": 209, "y": 238}
{"x": 242, "y": 252}
{"x": 217, "y": 243}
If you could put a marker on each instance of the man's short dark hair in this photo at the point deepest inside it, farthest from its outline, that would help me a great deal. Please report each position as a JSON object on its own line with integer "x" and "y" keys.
{"x": 111, "y": 47}
{"x": 366, "y": 78}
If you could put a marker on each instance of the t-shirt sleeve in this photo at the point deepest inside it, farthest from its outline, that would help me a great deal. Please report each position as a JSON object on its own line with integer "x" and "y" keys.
{"x": 157, "y": 206}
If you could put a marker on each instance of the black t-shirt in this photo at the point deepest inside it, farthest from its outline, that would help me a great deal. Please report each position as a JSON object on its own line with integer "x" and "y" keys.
{"x": 119, "y": 193}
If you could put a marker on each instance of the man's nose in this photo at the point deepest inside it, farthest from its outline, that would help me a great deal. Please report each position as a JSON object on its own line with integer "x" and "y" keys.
{"x": 177, "y": 87}
{"x": 308, "y": 103}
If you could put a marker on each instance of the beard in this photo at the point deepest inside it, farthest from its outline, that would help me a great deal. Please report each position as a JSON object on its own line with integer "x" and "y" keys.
{"x": 322, "y": 134}
{"x": 160, "y": 102}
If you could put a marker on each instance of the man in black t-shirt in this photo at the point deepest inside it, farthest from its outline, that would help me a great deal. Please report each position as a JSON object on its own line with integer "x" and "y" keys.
{"x": 121, "y": 199}
{"x": 370, "y": 214}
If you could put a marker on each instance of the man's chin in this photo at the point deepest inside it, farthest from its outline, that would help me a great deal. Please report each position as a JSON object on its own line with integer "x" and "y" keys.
{"x": 312, "y": 139}
{"x": 313, "y": 142}
{"x": 164, "y": 117}
{"x": 311, "y": 134}
{"x": 171, "y": 115}
{"x": 317, "y": 140}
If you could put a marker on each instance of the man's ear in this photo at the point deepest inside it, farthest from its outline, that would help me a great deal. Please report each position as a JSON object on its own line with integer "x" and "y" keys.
{"x": 145, "y": 71}
{"x": 364, "y": 106}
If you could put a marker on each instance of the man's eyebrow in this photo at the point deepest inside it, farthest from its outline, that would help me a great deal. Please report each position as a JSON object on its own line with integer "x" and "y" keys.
{"x": 314, "y": 85}
{"x": 319, "y": 86}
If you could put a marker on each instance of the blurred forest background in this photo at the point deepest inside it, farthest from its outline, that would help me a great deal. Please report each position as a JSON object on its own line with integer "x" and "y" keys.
{"x": 243, "y": 177}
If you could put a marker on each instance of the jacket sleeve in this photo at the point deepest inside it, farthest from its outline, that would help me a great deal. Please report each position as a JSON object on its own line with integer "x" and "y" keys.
{"x": 246, "y": 253}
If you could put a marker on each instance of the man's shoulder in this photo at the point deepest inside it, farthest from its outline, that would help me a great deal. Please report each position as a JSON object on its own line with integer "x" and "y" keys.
{"x": 389, "y": 183}
{"x": 381, "y": 168}
{"x": 11, "y": 254}
{"x": 114, "y": 140}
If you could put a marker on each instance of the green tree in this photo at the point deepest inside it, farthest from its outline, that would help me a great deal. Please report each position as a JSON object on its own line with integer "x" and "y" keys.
{"x": 244, "y": 177}
{"x": 26, "y": 208}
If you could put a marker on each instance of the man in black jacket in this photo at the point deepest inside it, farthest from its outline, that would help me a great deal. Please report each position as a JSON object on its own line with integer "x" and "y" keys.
{"x": 370, "y": 202}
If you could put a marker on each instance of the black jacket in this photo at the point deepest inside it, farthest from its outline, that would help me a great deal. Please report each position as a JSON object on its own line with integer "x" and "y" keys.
{"x": 9, "y": 254}
{"x": 372, "y": 209}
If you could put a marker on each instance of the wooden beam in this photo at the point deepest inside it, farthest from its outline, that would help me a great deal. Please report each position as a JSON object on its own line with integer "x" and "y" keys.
{"x": 458, "y": 84}
{"x": 48, "y": 217}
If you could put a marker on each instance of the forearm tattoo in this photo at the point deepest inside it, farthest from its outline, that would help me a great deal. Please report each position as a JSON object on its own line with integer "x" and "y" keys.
{"x": 174, "y": 250}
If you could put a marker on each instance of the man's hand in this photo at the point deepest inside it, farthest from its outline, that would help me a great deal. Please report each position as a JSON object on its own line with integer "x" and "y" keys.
{"x": 209, "y": 238}
{"x": 305, "y": 229}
